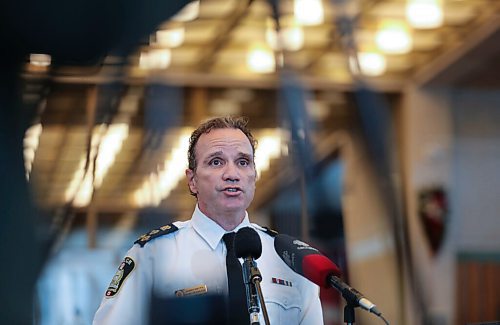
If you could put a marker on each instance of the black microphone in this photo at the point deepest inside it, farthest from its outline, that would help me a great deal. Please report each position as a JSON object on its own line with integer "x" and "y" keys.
{"x": 247, "y": 245}
{"x": 311, "y": 264}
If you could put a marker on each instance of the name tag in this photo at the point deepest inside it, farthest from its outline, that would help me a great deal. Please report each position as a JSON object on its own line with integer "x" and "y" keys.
{"x": 194, "y": 291}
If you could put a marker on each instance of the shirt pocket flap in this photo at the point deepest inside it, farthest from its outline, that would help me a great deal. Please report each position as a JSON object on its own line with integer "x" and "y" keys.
{"x": 286, "y": 297}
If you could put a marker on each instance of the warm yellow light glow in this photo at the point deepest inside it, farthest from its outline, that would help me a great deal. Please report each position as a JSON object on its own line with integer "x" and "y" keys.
{"x": 189, "y": 12}
{"x": 170, "y": 37}
{"x": 371, "y": 64}
{"x": 144, "y": 61}
{"x": 31, "y": 140}
{"x": 309, "y": 12}
{"x": 109, "y": 147}
{"x": 424, "y": 13}
{"x": 269, "y": 148}
{"x": 291, "y": 37}
{"x": 261, "y": 60}
{"x": 159, "y": 185}
{"x": 394, "y": 38}
{"x": 155, "y": 59}
{"x": 40, "y": 60}
{"x": 106, "y": 142}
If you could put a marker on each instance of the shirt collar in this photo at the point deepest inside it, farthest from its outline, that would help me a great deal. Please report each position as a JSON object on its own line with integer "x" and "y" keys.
{"x": 209, "y": 230}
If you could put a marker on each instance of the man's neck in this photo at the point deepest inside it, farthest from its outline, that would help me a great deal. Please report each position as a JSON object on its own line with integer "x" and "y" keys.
{"x": 229, "y": 224}
{"x": 228, "y": 221}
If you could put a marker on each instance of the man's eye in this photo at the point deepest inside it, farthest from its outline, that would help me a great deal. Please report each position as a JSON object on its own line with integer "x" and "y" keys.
{"x": 244, "y": 162}
{"x": 216, "y": 162}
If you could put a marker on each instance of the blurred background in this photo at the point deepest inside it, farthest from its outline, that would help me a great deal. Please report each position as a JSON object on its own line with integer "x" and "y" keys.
{"x": 377, "y": 123}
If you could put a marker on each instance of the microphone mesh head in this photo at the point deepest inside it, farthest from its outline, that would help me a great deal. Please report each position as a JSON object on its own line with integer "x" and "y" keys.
{"x": 247, "y": 243}
{"x": 317, "y": 268}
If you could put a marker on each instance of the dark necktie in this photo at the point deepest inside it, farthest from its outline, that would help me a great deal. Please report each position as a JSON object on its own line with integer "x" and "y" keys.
{"x": 237, "y": 305}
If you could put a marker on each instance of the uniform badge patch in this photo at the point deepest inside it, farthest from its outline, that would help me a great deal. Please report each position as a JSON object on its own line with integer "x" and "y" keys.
{"x": 124, "y": 270}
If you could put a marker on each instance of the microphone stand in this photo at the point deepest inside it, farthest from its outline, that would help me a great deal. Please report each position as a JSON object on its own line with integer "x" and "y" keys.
{"x": 349, "y": 315}
{"x": 252, "y": 279}
{"x": 256, "y": 280}
{"x": 353, "y": 299}
{"x": 349, "y": 296}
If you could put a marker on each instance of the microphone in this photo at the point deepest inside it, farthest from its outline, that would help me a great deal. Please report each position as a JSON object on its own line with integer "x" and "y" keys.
{"x": 311, "y": 264}
{"x": 247, "y": 245}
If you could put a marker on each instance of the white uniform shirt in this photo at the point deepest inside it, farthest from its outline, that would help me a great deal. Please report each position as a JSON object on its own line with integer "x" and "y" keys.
{"x": 195, "y": 255}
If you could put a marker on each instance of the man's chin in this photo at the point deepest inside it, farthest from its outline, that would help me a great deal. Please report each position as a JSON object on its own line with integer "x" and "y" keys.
{"x": 235, "y": 207}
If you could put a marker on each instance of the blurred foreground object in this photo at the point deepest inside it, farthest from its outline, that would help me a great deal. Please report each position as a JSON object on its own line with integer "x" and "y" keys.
{"x": 80, "y": 33}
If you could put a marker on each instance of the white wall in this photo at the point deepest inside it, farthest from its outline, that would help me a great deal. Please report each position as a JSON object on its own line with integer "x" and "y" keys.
{"x": 451, "y": 138}
{"x": 476, "y": 174}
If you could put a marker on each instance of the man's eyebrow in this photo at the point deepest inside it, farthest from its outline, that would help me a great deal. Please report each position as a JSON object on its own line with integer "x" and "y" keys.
{"x": 214, "y": 154}
{"x": 245, "y": 155}
{"x": 221, "y": 153}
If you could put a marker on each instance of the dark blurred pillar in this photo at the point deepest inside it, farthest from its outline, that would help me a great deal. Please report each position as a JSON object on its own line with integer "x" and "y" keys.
{"x": 18, "y": 245}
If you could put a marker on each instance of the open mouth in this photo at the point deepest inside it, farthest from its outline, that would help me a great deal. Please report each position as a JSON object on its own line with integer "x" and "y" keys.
{"x": 232, "y": 190}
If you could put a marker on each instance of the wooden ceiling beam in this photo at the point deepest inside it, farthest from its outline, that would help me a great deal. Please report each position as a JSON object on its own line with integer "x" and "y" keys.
{"x": 464, "y": 58}
{"x": 209, "y": 55}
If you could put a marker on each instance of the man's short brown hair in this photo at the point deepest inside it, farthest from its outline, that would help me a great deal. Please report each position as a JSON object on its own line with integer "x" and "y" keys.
{"x": 226, "y": 122}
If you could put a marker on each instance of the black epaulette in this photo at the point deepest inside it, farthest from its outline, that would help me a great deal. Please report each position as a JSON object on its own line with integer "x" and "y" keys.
{"x": 155, "y": 233}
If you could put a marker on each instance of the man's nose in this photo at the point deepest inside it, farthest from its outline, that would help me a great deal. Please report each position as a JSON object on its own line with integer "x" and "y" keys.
{"x": 231, "y": 173}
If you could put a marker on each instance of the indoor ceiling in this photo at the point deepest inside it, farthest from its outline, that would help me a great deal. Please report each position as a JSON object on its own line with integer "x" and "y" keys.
{"x": 213, "y": 48}
{"x": 207, "y": 74}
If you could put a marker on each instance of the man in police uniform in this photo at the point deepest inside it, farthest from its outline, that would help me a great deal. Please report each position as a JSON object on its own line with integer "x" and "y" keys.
{"x": 189, "y": 258}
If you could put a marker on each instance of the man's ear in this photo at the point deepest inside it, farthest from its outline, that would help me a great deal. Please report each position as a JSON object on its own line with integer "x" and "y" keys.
{"x": 191, "y": 181}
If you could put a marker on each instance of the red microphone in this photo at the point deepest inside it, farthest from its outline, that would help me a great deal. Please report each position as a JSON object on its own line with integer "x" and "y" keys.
{"x": 311, "y": 264}
{"x": 318, "y": 268}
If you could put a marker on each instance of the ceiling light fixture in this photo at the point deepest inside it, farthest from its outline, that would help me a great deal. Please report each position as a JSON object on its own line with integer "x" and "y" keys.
{"x": 172, "y": 37}
{"x": 189, "y": 13}
{"x": 269, "y": 148}
{"x": 424, "y": 14}
{"x": 158, "y": 185}
{"x": 40, "y": 60}
{"x": 291, "y": 36}
{"x": 309, "y": 12}
{"x": 261, "y": 60}
{"x": 394, "y": 38}
{"x": 31, "y": 140}
{"x": 103, "y": 151}
{"x": 371, "y": 64}
{"x": 155, "y": 59}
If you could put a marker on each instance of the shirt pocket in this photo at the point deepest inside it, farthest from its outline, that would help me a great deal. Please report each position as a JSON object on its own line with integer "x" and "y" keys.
{"x": 283, "y": 304}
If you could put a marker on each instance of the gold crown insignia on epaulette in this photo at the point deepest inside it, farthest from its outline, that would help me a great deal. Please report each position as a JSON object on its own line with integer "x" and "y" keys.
{"x": 270, "y": 232}
{"x": 155, "y": 233}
